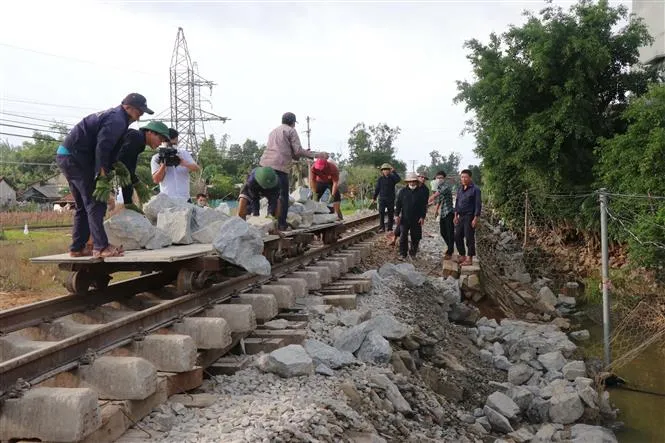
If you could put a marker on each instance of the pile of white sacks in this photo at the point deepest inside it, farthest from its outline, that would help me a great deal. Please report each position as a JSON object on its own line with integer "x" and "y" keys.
{"x": 169, "y": 221}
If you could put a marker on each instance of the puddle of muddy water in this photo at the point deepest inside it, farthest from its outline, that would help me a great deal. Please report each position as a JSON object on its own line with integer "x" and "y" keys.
{"x": 643, "y": 414}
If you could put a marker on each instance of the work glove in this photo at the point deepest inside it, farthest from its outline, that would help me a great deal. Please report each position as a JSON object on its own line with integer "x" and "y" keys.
{"x": 103, "y": 188}
{"x": 133, "y": 207}
{"x": 142, "y": 191}
{"x": 122, "y": 174}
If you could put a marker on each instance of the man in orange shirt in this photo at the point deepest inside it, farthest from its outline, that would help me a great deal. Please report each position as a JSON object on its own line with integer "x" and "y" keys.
{"x": 323, "y": 175}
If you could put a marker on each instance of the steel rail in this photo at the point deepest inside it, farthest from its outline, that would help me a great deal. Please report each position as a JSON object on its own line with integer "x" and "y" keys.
{"x": 33, "y": 366}
{"x": 45, "y": 311}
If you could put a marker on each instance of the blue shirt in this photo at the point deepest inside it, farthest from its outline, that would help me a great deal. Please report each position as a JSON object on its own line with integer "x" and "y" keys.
{"x": 468, "y": 200}
{"x": 95, "y": 141}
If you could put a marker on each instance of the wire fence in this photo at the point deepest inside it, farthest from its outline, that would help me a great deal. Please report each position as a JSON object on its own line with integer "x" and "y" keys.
{"x": 534, "y": 241}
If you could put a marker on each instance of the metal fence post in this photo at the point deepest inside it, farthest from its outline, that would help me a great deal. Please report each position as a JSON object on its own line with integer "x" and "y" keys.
{"x": 526, "y": 218}
{"x": 605, "y": 276}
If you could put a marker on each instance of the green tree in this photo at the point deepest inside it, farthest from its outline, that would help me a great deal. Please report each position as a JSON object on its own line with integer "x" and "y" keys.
{"x": 374, "y": 145}
{"x": 545, "y": 92}
{"x": 438, "y": 162}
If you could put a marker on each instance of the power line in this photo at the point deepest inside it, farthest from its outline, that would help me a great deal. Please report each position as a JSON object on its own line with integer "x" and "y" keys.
{"x": 32, "y": 129}
{"x": 33, "y": 102}
{"x": 48, "y": 138}
{"x": 32, "y": 113}
{"x": 41, "y": 125}
{"x": 79, "y": 60}
{"x": 52, "y": 121}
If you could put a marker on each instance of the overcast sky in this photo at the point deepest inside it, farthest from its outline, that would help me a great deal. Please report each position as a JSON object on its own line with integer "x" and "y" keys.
{"x": 340, "y": 63}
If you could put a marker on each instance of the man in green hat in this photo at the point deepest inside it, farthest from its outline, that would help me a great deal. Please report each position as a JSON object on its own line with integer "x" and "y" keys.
{"x": 134, "y": 142}
{"x": 261, "y": 182}
{"x": 385, "y": 190}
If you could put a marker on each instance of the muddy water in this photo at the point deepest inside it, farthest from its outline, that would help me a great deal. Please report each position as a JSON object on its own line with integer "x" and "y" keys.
{"x": 643, "y": 414}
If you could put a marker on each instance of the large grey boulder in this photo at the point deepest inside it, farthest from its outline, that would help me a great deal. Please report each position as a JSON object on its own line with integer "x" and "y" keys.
{"x": 306, "y": 219}
{"x": 565, "y": 407}
{"x": 322, "y": 353}
{"x": 375, "y": 349}
{"x": 546, "y": 295}
{"x": 209, "y": 232}
{"x": 405, "y": 271}
{"x": 177, "y": 223}
{"x": 503, "y": 404}
{"x": 464, "y": 314}
{"x": 351, "y": 339}
{"x": 322, "y": 219}
{"x": 574, "y": 369}
{"x": 520, "y": 336}
{"x": 552, "y": 361}
{"x": 521, "y": 396}
{"x": 519, "y": 374}
{"x": 392, "y": 393}
{"x": 204, "y": 217}
{"x": 449, "y": 290}
{"x": 293, "y": 219}
{"x": 263, "y": 224}
{"x": 582, "y": 433}
{"x": 498, "y": 421}
{"x": 388, "y": 327}
{"x": 160, "y": 202}
{"x": 240, "y": 244}
{"x": 582, "y": 335}
{"x": 134, "y": 231}
{"x": 289, "y": 361}
{"x": 301, "y": 194}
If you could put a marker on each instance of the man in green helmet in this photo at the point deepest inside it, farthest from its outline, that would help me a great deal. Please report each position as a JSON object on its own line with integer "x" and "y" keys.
{"x": 133, "y": 144}
{"x": 261, "y": 182}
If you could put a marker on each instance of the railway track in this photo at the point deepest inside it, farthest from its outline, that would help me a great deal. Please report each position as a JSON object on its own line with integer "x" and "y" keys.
{"x": 40, "y": 360}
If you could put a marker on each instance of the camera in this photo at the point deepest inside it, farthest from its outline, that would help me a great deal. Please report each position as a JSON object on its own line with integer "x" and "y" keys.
{"x": 168, "y": 156}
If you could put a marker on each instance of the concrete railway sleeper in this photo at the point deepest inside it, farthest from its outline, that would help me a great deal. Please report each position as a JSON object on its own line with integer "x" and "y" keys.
{"x": 136, "y": 350}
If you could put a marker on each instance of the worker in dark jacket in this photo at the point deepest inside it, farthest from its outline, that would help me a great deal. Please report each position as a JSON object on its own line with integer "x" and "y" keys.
{"x": 261, "y": 182}
{"x": 410, "y": 209}
{"x": 134, "y": 142}
{"x": 385, "y": 191}
{"x": 468, "y": 206}
{"x": 85, "y": 157}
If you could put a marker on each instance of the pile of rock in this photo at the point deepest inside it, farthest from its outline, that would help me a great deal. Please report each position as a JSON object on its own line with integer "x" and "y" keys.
{"x": 304, "y": 212}
{"x": 170, "y": 221}
{"x": 543, "y": 386}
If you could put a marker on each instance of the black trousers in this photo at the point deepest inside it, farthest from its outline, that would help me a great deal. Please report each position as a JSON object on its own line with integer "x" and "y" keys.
{"x": 416, "y": 232}
{"x": 389, "y": 207}
{"x": 464, "y": 231}
{"x": 447, "y": 228}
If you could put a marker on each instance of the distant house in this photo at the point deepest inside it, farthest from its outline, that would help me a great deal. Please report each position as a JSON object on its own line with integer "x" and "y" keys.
{"x": 7, "y": 193}
{"x": 41, "y": 193}
{"x": 65, "y": 203}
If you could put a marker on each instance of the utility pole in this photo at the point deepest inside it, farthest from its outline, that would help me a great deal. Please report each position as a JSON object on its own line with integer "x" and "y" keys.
{"x": 413, "y": 165}
{"x": 605, "y": 277}
{"x": 308, "y": 131}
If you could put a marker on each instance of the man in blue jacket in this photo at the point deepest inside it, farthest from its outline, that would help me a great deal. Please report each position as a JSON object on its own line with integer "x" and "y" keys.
{"x": 85, "y": 157}
{"x": 468, "y": 206}
{"x": 385, "y": 190}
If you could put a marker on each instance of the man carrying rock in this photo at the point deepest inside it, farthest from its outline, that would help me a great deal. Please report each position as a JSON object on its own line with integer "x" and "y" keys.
{"x": 385, "y": 191}
{"x": 467, "y": 213}
{"x": 283, "y": 147}
{"x": 324, "y": 175}
{"x": 445, "y": 211}
{"x": 173, "y": 178}
{"x": 86, "y": 157}
{"x": 410, "y": 209}
{"x": 261, "y": 182}
{"x": 134, "y": 142}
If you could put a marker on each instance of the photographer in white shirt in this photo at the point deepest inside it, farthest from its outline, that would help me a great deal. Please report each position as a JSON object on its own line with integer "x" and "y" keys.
{"x": 173, "y": 180}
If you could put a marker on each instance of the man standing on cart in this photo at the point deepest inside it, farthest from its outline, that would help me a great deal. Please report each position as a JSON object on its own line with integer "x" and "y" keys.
{"x": 86, "y": 158}
{"x": 282, "y": 148}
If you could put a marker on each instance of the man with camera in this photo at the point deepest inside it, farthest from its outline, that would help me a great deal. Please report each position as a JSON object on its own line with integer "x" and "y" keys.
{"x": 171, "y": 167}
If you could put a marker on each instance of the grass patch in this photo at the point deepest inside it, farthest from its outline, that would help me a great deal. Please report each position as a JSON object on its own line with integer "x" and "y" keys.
{"x": 16, "y": 271}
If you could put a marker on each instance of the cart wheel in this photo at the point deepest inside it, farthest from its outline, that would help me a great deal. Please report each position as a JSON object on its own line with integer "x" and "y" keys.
{"x": 185, "y": 281}
{"x": 101, "y": 282}
{"x": 78, "y": 282}
{"x": 329, "y": 237}
{"x": 271, "y": 255}
{"x": 202, "y": 280}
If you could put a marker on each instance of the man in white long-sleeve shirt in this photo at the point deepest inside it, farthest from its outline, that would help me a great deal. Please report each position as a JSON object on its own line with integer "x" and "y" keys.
{"x": 174, "y": 180}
